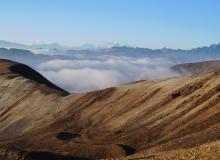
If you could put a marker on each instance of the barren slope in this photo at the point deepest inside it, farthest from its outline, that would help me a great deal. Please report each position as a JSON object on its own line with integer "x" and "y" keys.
{"x": 199, "y": 67}
{"x": 166, "y": 118}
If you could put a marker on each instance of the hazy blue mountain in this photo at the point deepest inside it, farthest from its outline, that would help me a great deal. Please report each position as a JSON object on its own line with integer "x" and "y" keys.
{"x": 7, "y": 44}
{"x": 215, "y": 48}
{"x": 106, "y": 49}
{"x": 47, "y": 46}
{"x": 43, "y": 52}
{"x": 40, "y": 46}
{"x": 28, "y": 57}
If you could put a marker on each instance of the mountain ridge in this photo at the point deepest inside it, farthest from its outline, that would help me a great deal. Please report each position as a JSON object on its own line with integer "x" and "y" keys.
{"x": 198, "y": 67}
{"x": 213, "y": 48}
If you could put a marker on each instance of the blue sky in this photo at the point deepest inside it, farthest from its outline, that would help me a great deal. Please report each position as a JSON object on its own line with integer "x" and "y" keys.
{"x": 144, "y": 23}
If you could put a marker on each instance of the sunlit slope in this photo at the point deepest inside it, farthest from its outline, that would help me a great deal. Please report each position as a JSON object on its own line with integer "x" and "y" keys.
{"x": 169, "y": 116}
{"x": 25, "y": 98}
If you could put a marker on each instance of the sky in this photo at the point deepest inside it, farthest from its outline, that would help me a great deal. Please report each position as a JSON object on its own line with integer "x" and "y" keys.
{"x": 144, "y": 23}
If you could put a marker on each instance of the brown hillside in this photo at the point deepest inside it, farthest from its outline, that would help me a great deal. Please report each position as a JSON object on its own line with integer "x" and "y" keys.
{"x": 199, "y": 67}
{"x": 163, "y": 119}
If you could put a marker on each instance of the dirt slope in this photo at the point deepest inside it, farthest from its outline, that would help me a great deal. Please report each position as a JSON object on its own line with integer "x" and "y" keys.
{"x": 199, "y": 67}
{"x": 164, "y": 119}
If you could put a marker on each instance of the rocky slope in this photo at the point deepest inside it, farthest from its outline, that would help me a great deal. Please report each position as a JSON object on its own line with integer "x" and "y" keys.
{"x": 175, "y": 118}
{"x": 196, "y": 68}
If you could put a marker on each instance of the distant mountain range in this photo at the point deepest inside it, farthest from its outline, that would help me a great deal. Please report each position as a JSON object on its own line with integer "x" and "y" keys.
{"x": 107, "y": 48}
{"x": 28, "y": 57}
{"x": 8, "y": 44}
{"x": 35, "y": 54}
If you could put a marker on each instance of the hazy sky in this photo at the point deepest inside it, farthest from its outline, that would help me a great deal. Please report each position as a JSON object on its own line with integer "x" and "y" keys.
{"x": 146, "y": 23}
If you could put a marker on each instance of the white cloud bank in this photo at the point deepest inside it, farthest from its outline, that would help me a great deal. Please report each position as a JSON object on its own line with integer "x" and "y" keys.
{"x": 102, "y": 72}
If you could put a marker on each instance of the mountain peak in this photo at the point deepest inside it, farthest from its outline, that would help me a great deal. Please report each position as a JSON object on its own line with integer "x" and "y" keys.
{"x": 22, "y": 70}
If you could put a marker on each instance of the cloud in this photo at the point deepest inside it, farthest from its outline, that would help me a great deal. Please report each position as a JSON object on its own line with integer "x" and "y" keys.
{"x": 82, "y": 75}
{"x": 85, "y": 79}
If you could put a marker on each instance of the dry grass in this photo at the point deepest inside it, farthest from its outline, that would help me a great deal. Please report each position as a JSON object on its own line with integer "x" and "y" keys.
{"x": 175, "y": 118}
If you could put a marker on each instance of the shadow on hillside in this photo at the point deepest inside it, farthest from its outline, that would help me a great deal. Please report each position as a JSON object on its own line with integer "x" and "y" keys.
{"x": 129, "y": 150}
{"x": 29, "y": 73}
{"x": 67, "y": 136}
{"x": 50, "y": 156}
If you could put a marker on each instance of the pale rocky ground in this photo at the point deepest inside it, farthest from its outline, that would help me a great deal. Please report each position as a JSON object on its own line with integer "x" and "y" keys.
{"x": 209, "y": 151}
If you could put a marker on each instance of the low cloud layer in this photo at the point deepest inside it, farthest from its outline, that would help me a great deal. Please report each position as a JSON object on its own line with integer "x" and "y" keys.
{"x": 82, "y": 75}
{"x": 93, "y": 69}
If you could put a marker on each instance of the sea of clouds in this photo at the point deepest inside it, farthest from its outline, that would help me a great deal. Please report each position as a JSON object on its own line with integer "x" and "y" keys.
{"x": 84, "y": 71}
{"x": 86, "y": 74}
